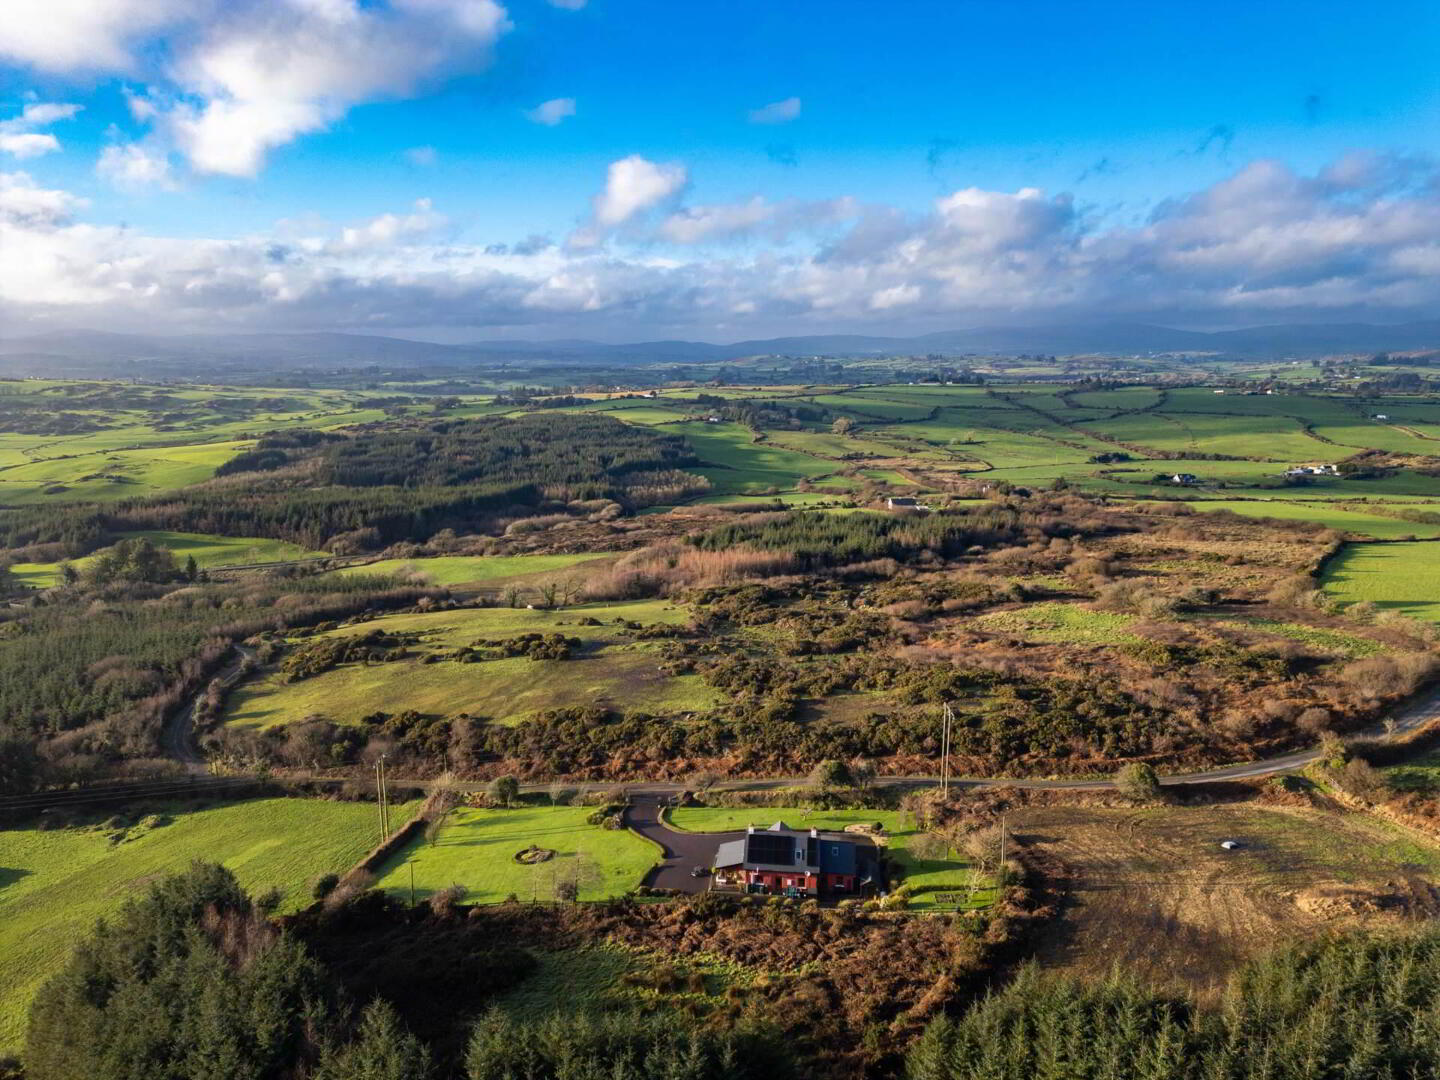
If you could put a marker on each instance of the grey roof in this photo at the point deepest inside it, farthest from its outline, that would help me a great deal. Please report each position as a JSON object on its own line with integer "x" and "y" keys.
{"x": 730, "y": 853}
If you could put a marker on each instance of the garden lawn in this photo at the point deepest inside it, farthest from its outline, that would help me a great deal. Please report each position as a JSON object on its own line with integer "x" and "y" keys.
{"x": 55, "y": 884}
{"x": 476, "y": 849}
{"x": 926, "y": 877}
{"x": 1402, "y": 577}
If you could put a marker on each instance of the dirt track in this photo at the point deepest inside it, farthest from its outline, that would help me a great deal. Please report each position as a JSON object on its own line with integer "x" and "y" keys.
{"x": 1152, "y": 890}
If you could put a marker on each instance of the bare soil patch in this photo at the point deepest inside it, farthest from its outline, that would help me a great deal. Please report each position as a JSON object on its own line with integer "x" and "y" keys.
{"x": 1151, "y": 890}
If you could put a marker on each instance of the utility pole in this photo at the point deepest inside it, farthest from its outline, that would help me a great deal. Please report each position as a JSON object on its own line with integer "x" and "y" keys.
{"x": 1002, "y": 854}
{"x": 945, "y": 752}
{"x": 382, "y": 799}
{"x": 379, "y": 802}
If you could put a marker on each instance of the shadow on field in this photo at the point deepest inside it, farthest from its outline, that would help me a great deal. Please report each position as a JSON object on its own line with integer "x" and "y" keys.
{"x": 10, "y": 875}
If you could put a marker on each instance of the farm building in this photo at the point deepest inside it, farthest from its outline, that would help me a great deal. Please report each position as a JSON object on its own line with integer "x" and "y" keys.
{"x": 1313, "y": 470}
{"x": 904, "y": 502}
{"x": 1185, "y": 478}
{"x": 793, "y": 862}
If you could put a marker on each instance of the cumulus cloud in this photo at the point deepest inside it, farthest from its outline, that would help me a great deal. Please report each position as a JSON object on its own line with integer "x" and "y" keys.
{"x": 1362, "y": 235}
{"x": 243, "y": 77}
{"x": 552, "y": 112}
{"x": 82, "y": 35}
{"x": 19, "y": 136}
{"x": 777, "y": 112}
{"x": 25, "y": 206}
{"x": 757, "y": 217}
{"x": 633, "y": 185}
{"x": 135, "y": 165}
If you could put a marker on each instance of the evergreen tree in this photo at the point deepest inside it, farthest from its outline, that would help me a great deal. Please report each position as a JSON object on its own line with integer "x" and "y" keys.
{"x": 381, "y": 1050}
{"x": 189, "y": 982}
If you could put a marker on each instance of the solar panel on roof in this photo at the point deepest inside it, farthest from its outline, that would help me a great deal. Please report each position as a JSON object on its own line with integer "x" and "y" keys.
{"x": 774, "y": 849}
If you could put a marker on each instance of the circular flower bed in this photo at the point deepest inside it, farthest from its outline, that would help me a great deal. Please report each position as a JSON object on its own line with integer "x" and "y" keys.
{"x": 532, "y": 854}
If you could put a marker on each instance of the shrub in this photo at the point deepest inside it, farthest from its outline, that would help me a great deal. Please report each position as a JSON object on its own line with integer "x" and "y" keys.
{"x": 1138, "y": 781}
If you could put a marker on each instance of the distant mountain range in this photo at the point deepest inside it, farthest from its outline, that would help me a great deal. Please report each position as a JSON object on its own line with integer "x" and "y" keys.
{"x": 94, "y": 353}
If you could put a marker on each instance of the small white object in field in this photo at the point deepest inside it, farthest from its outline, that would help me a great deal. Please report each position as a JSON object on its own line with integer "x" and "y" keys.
{"x": 1230, "y": 845}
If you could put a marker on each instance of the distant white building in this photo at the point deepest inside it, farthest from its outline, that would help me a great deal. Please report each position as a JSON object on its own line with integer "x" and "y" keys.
{"x": 904, "y": 502}
{"x": 1185, "y": 478}
{"x": 1380, "y": 416}
{"x": 1313, "y": 470}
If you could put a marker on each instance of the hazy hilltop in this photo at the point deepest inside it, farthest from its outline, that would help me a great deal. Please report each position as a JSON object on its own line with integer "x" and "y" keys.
{"x": 94, "y": 352}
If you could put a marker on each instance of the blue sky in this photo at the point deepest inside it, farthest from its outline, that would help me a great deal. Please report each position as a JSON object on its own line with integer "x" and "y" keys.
{"x": 277, "y": 124}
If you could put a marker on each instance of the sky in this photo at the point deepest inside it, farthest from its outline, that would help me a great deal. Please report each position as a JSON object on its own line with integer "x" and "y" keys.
{"x": 634, "y": 169}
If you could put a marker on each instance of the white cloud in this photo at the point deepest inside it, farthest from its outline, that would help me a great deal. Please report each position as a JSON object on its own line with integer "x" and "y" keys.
{"x": 635, "y": 184}
{"x": 19, "y": 137}
{"x": 1266, "y": 242}
{"x": 569, "y": 5}
{"x": 552, "y": 112}
{"x": 243, "y": 77}
{"x": 135, "y": 165}
{"x": 777, "y": 112}
{"x": 757, "y": 216}
{"x": 28, "y": 145}
{"x": 33, "y": 208}
{"x": 423, "y": 156}
{"x": 82, "y": 35}
{"x": 388, "y": 230}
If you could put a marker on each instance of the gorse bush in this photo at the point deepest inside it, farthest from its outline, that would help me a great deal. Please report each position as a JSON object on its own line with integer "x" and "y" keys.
{"x": 1361, "y": 1007}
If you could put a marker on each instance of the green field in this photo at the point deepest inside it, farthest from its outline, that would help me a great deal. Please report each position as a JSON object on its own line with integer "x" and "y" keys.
{"x": 1061, "y": 623}
{"x": 1333, "y": 515}
{"x": 55, "y": 884}
{"x": 1398, "y": 577}
{"x": 736, "y": 464}
{"x": 208, "y": 551}
{"x": 476, "y": 849}
{"x": 476, "y": 569}
{"x": 608, "y": 670}
{"x": 926, "y": 877}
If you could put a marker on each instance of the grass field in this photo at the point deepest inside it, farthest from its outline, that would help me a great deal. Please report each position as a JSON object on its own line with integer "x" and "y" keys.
{"x": 208, "y": 550}
{"x": 1332, "y": 515}
{"x": 55, "y": 884}
{"x": 1399, "y": 577}
{"x": 1063, "y": 623}
{"x": 476, "y": 849}
{"x": 476, "y": 569}
{"x": 926, "y": 877}
{"x": 608, "y": 670}
{"x": 1152, "y": 891}
{"x": 736, "y": 464}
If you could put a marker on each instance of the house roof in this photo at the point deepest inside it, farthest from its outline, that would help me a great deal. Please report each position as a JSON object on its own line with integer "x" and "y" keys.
{"x": 780, "y": 848}
{"x": 730, "y": 853}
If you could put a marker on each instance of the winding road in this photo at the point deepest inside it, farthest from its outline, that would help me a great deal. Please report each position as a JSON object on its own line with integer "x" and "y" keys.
{"x": 179, "y": 743}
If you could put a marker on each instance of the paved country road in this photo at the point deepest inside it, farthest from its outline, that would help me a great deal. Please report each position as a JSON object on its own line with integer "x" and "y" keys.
{"x": 179, "y": 744}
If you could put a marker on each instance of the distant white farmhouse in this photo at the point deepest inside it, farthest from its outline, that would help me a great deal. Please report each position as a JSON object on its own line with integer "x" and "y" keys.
{"x": 1185, "y": 478}
{"x": 904, "y": 502}
{"x": 1313, "y": 470}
